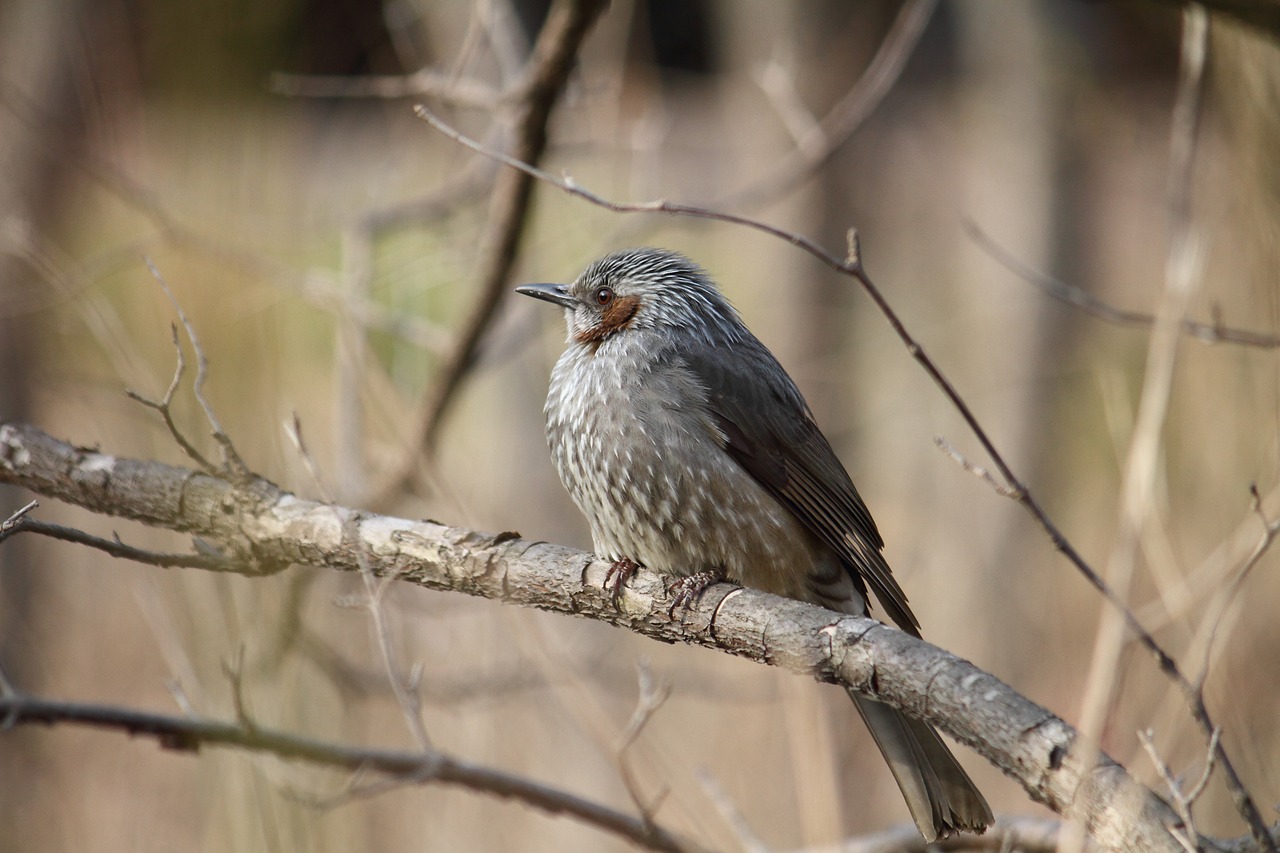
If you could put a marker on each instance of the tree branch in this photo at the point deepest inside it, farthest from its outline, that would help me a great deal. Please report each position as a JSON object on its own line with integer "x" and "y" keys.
{"x": 1209, "y": 333}
{"x": 115, "y": 548}
{"x": 425, "y": 767}
{"x": 255, "y": 521}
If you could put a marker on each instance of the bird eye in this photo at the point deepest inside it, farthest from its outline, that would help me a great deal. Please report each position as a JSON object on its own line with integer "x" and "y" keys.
{"x": 604, "y": 295}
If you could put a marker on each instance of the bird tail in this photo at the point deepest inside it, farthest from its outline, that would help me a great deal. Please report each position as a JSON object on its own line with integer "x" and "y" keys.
{"x": 941, "y": 797}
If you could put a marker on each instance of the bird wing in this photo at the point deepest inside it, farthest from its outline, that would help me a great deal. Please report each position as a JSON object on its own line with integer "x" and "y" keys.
{"x": 770, "y": 432}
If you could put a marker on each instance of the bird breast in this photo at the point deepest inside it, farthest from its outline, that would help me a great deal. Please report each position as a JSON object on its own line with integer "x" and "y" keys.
{"x": 636, "y": 445}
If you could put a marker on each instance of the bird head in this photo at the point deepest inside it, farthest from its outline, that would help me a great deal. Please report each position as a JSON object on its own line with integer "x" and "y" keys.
{"x": 640, "y": 289}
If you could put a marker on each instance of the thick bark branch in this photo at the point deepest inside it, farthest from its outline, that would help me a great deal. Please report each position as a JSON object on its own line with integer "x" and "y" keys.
{"x": 265, "y": 527}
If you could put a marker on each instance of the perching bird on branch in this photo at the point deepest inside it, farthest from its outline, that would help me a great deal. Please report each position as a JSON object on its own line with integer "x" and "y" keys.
{"x": 690, "y": 451}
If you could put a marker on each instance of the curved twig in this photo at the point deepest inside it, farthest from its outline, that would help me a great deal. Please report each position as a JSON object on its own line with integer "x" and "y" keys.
{"x": 116, "y": 548}
{"x": 819, "y": 145}
{"x": 1209, "y": 333}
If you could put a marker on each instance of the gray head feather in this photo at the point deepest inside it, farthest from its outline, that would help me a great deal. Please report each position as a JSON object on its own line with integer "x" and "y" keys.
{"x": 673, "y": 293}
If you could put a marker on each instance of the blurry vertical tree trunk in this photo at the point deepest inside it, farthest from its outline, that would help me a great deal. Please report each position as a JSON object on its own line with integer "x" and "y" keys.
{"x": 1021, "y": 151}
{"x": 1247, "y": 73}
{"x": 39, "y": 131}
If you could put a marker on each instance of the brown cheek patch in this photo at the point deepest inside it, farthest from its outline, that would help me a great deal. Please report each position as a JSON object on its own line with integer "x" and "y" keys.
{"x": 614, "y": 318}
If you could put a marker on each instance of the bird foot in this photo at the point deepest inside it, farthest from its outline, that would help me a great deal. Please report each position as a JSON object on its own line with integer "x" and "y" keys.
{"x": 686, "y": 591}
{"x": 616, "y": 578}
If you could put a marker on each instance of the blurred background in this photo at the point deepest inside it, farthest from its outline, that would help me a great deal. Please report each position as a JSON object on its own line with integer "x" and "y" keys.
{"x": 326, "y": 245}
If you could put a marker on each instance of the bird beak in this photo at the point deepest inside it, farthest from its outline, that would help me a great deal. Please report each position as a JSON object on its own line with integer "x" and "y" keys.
{"x": 553, "y": 293}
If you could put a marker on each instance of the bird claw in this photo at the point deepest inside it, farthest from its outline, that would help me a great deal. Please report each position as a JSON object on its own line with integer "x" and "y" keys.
{"x": 616, "y": 578}
{"x": 686, "y": 591}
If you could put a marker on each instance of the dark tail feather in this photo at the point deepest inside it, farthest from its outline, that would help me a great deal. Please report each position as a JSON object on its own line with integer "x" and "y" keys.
{"x": 939, "y": 794}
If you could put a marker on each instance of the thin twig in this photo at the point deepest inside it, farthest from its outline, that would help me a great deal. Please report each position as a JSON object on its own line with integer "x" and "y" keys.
{"x": 115, "y": 548}
{"x": 352, "y": 358}
{"x": 189, "y": 734}
{"x": 425, "y": 82}
{"x": 653, "y": 695}
{"x": 406, "y": 691}
{"x": 816, "y": 147}
{"x": 977, "y": 470}
{"x": 733, "y": 816}
{"x": 233, "y": 465}
{"x": 1207, "y": 578}
{"x": 1187, "y": 835}
{"x": 1141, "y": 464}
{"x": 1228, "y": 592}
{"x": 570, "y": 186}
{"x": 17, "y": 518}
{"x": 1210, "y": 757}
{"x": 1209, "y": 333}
{"x": 164, "y": 407}
{"x": 233, "y": 669}
{"x": 852, "y": 267}
{"x": 293, "y": 429}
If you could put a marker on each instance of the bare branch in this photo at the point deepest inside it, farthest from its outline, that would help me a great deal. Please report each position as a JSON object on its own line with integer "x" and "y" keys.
{"x": 293, "y": 429}
{"x": 1227, "y": 592}
{"x": 816, "y": 147}
{"x": 1024, "y": 740}
{"x": 653, "y": 695}
{"x": 1209, "y": 333}
{"x": 425, "y": 82}
{"x": 733, "y": 816}
{"x": 234, "y": 671}
{"x": 405, "y": 689}
{"x": 1186, "y": 834}
{"x": 434, "y": 767}
{"x": 115, "y": 548}
{"x": 164, "y": 407}
{"x": 14, "y": 520}
{"x": 232, "y": 463}
{"x": 976, "y": 470}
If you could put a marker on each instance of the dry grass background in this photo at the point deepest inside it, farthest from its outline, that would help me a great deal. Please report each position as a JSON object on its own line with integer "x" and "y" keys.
{"x": 1046, "y": 123}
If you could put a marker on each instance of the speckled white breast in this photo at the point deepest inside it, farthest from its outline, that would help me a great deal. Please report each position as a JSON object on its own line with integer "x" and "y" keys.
{"x": 635, "y": 444}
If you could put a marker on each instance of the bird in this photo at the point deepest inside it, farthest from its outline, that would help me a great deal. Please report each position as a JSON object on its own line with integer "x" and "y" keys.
{"x": 691, "y": 452}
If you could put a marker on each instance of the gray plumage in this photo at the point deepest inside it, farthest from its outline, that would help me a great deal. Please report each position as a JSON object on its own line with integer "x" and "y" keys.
{"x": 689, "y": 449}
